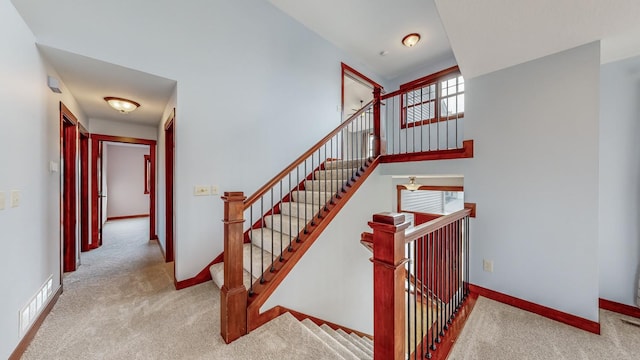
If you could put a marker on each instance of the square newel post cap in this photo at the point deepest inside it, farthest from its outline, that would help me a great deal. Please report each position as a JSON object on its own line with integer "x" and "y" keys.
{"x": 388, "y": 221}
{"x": 230, "y": 196}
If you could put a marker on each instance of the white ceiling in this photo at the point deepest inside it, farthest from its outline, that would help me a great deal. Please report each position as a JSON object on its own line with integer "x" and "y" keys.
{"x": 356, "y": 95}
{"x": 91, "y": 80}
{"x": 490, "y": 35}
{"x": 364, "y": 28}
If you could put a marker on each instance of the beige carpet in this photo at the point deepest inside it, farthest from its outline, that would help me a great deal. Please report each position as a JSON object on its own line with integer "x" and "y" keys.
{"x": 496, "y": 331}
{"x": 121, "y": 304}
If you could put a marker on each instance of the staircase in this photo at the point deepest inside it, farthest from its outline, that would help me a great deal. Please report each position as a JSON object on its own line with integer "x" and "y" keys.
{"x": 295, "y": 215}
{"x": 334, "y": 344}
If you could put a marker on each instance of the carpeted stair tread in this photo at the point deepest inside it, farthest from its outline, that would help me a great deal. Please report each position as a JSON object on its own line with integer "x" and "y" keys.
{"x": 363, "y": 340}
{"x": 285, "y": 224}
{"x": 297, "y": 209}
{"x": 263, "y": 236}
{"x": 333, "y": 343}
{"x": 261, "y": 259}
{"x": 217, "y": 274}
{"x": 343, "y": 174}
{"x": 330, "y": 185}
{"x": 345, "y": 342}
{"x": 311, "y": 197}
{"x": 355, "y": 341}
{"x": 340, "y": 164}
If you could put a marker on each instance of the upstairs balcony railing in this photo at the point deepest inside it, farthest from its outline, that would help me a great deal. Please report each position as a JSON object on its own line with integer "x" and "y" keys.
{"x": 421, "y": 278}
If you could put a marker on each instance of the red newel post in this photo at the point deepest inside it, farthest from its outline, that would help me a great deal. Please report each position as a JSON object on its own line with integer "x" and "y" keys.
{"x": 388, "y": 286}
{"x": 233, "y": 295}
{"x": 377, "y": 138}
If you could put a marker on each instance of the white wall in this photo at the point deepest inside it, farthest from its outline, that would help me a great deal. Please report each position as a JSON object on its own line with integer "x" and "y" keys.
{"x": 535, "y": 179}
{"x": 126, "y": 180}
{"x": 619, "y": 232}
{"x": 334, "y": 280}
{"x": 28, "y": 142}
{"x": 119, "y": 128}
{"x": 223, "y": 139}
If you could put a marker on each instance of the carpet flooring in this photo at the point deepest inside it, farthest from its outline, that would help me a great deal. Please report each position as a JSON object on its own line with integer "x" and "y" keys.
{"x": 495, "y": 331}
{"x": 121, "y": 304}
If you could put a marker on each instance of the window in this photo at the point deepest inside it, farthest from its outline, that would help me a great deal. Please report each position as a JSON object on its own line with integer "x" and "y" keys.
{"x": 437, "y": 97}
{"x": 441, "y": 200}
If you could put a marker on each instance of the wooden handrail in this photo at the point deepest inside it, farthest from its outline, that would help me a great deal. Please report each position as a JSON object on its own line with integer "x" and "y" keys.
{"x": 282, "y": 174}
{"x": 427, "y": 228}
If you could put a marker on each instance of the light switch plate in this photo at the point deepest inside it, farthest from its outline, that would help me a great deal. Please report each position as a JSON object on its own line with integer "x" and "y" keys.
{"x": 15, "y": 198}
{"x": 3, "y": 200}
{"x": 200, "y": 190}
{"x": 214, "y": 189}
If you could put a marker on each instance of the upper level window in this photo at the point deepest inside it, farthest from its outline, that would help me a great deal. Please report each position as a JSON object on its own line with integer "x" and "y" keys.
{"x": 437, "y": 97}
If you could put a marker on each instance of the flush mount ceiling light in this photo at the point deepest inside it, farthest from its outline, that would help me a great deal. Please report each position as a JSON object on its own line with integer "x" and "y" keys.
{"x": 411, "y": 39}
{"x": 124, "y": 106}
{"x": 411, "y": 186}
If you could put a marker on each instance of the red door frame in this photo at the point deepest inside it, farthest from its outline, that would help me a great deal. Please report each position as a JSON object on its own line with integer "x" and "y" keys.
{"x": 169, "y": 133}
{"x": 96, "y": 142}
{"x": 68, "y": 207}
{"x": 84, "y": 188}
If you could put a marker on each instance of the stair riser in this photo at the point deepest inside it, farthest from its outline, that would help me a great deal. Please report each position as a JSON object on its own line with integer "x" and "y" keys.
{"x": 262, "y": 237}
{"x": 324, "y": 185}
{"x": 337, "y": 175}
{"x": 312, "y": 197}
{"x": 349, "y": 164}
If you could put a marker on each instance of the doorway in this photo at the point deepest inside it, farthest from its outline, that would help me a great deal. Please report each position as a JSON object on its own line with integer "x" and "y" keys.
{"x": 357, "y": 90}
{"x": 68, "y": 213}
{"x": 169, "y": 136}
{"x": 98, "y": 181}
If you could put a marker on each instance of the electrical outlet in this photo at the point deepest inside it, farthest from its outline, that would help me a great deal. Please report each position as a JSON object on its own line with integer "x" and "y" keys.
{"x": 15, "y": 198}
{"x": 3, "y": 200}
{"x": 487, "y": 265}
{"x": 200, "y": 190}
{"x": 214, "y": 189}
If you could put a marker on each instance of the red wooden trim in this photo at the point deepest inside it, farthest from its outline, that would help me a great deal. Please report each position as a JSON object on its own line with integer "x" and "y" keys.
{"x": 111, "y": 218}
{"x": 619, "y": 308}
{"x": 152, "y": 193}
{"x": 282, "y": 174}
{"x": 95, "y": 189}
{"x": 31, "y": 333}
{"x": 68, "y": 214}
{"x": 147, "y": 170}
{"x": 465, "y": 152}
{"x": 84, "y": 189}
{"x": 123, "y": 139}
{"x": 169, "y": 171}
{"x": 472, "y": 207}
{"x": 553, "y": 314}
{"x": 414, "y": 84}
{"x": 203, "y": 276}
{"x": 452, "y": 335}
{"x": 282, "y": 269}
{"x": 349, "y": 69}
{"x": 301, "y": 316}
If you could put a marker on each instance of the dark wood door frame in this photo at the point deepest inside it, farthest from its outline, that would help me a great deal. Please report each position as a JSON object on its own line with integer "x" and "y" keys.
{"x": 68, "y": 206}
{"x": 169, "y": 157}
{"x": 96, "y": 142}
{"x": 84, "y": 188}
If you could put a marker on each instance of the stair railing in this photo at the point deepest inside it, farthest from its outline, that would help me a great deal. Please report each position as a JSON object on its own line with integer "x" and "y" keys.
{"x": 291, "y": 204}
{"x": 421, "y": 278}
{"x": 426, "y": 114}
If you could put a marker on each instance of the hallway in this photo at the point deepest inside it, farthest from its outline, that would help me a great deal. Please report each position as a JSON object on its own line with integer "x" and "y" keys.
{"x": 121, "y": 304}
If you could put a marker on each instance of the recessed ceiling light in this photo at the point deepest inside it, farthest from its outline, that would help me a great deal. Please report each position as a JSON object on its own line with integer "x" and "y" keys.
{"x": 384, "y": 53}
{"x": 411, "y": 39}
{"x": 122, "y": 105}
